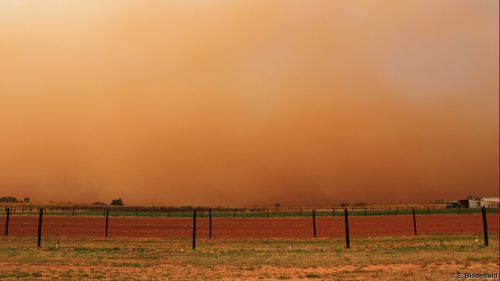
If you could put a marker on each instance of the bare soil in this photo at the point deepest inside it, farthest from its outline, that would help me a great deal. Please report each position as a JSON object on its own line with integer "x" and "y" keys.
{"x": 299, "y": 227}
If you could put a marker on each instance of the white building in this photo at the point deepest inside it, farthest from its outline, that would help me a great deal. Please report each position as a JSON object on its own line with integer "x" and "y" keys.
{"x": 473, "y": 203}
{"x": 489, "y": 202}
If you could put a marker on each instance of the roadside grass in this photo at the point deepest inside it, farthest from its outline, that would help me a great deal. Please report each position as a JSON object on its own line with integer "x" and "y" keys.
{"x": 376, "y": 258}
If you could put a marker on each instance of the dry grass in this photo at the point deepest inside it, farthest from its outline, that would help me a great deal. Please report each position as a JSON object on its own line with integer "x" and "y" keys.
{"x": 380, "y": 258}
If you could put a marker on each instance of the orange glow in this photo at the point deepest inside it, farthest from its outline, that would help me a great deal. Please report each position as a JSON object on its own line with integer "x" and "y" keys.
{"x": 242, "y": 103}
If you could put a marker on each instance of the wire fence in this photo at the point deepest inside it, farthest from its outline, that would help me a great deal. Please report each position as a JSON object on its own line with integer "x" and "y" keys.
{"x": 238, "y": 212}
{"x": 223, "y": 223}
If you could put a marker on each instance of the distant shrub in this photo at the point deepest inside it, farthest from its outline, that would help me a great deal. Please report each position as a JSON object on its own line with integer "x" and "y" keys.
{"x": 99, "y": 203}
{"x": 26, "y": 200}
{"x": 312, "y": 275}
{"x": 8, "y": 199}
{"x": 360, "y": 204}
{"x": 117, "y": 202}
{"x": 344, "y": 204}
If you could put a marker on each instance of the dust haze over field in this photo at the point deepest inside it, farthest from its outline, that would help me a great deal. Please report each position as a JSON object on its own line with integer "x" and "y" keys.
{"x": 249, "y": 102}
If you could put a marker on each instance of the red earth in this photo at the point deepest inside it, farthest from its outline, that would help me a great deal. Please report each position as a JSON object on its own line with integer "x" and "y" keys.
{"x": 300, "y": 227}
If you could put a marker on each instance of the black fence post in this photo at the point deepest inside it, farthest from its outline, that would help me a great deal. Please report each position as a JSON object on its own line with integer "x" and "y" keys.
{"x": 267, "y": 212}
{"x": 314, "y": 222}
{"x": 366, "y": 213}
{"x": 40, "y": 216}
{"x": 347, "y": 240}
{"x": 194, "y": 229}
{"x": 333, "y": 212}
{"x": 414, "y": 222}
{"x": 7, "y": 219}
{"x": 234, "y": 213}
{"x": 485, "y": 226}
{"x": 210, "y": 223}
{"x": 107, "y": 220}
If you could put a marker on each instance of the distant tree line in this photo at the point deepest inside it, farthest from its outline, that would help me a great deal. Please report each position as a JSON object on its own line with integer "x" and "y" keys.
{"x": 11, "y": 199}
{"x": 114, "y": 202}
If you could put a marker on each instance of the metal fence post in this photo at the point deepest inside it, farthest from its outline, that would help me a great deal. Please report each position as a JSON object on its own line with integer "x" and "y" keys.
{"x": 347, "y": 238}
{"x": 194, "y": 229}
{"x": 414, "y": 222}
{"x": 210, "y": 223}
{"x": 485, "y": 226}
{"x": 314, "y": 222}
{"x": 40, "y": 217}
{"x": 107, "y": 220}
{"x": 7, "y": 219}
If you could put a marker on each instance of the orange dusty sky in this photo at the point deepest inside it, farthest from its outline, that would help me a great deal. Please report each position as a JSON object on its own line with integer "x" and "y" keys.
{"x": 244, "y": 103}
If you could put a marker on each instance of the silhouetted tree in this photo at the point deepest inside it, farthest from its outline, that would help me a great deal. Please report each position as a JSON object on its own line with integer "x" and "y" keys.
{"x": 117, "y": 202}
{"x": 8, "y": 199}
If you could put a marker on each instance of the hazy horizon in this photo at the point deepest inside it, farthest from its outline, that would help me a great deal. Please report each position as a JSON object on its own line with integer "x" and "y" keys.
{"x": 243, "y": 103}
{"x": 340, "y": 204}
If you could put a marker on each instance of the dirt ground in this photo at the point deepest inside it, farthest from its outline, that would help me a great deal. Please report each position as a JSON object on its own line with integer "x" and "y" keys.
{"x": 298, "y": 227}
{"x": 422, "y": 257}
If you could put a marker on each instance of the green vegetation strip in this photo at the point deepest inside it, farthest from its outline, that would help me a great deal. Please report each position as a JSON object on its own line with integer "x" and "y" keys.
{"x": 254, "y": 214}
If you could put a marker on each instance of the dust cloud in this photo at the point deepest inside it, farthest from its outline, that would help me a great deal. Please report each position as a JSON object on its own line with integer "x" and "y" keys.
{"x": 249, "y": 103}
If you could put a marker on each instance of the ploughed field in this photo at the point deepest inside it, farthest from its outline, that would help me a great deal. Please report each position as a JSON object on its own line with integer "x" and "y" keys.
{"x": 282, "y": 227}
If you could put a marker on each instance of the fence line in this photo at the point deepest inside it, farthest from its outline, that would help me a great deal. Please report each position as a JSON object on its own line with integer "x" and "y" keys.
{"x": 326, "y": 224}
{"x": 75, "y": 210}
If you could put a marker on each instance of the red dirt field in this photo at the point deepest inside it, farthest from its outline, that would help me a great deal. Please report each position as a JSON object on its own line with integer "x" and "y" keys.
{"x": 250, "y": 227}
